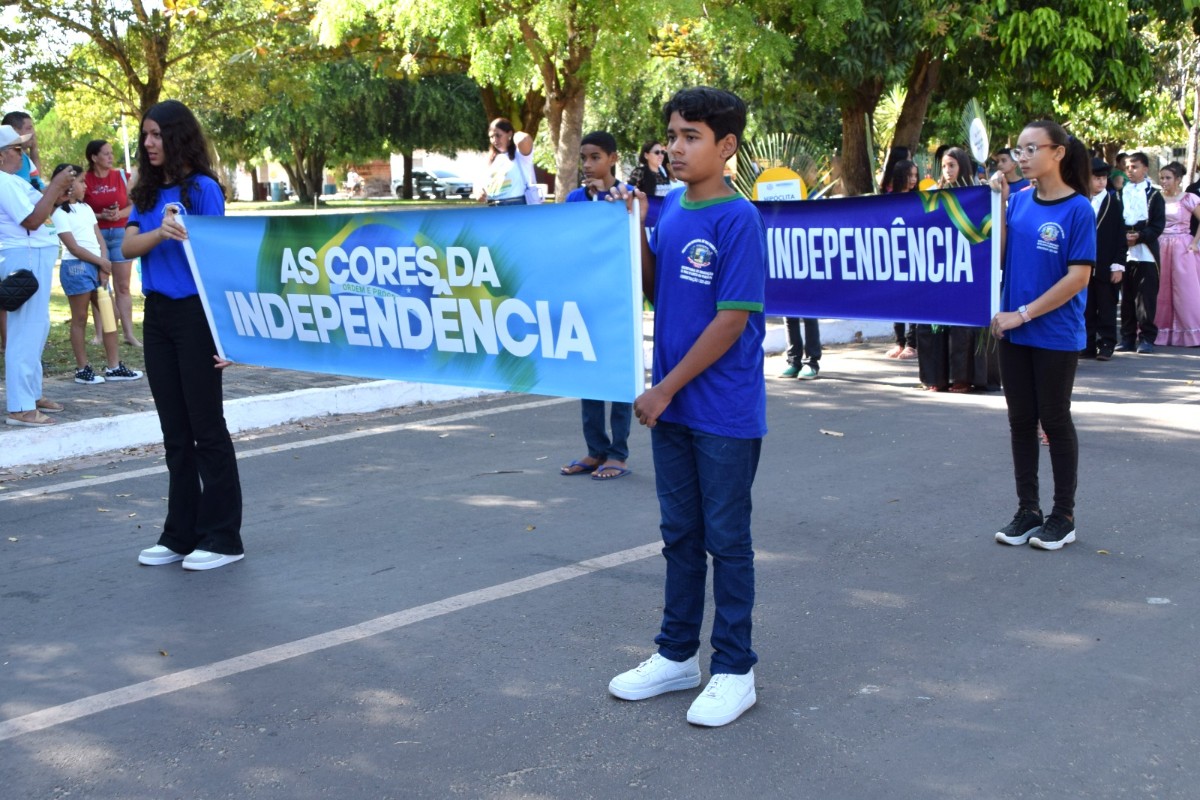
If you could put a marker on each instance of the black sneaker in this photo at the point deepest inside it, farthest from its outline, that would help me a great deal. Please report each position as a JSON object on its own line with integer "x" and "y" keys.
{"x": 1057, "y": 531}
{"x": 121, "y": 373}
{"x": 1104, "y": 353}
{"x": 1025, "y": 522}
{"x": 87, "y": 376}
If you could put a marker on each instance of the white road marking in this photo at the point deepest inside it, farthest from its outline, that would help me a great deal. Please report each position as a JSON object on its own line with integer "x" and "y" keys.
{"x": 85, "y": 483}
{"x": 188, "y": 678}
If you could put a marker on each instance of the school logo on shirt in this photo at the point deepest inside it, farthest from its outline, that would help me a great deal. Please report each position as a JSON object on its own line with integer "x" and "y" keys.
{"x": 1050, "y": 237}
{"x": 699, "y": 254}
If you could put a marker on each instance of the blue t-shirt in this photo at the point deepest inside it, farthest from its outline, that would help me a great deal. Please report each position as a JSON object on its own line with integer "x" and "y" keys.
{"x": 711, "y": 256}
{"x": 165, "y": 269}
{"x": 580, "y": 195}
{"x": 1017, "y": 186}
{"x": 1045, "y": 237}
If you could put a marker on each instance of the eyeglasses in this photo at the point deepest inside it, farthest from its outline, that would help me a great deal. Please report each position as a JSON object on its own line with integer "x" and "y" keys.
{"x": 1028, "y": 150}
{"x": 15, "y": 148}
{"x": 658, "y": 152}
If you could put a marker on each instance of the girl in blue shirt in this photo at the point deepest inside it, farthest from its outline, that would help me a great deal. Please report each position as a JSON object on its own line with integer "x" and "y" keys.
{"x": 204, "y": 504}
{"x": 1048, "y": 243}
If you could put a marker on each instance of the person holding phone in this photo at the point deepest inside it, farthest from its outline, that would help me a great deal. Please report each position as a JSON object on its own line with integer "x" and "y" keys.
{"x": 108, "y": 195}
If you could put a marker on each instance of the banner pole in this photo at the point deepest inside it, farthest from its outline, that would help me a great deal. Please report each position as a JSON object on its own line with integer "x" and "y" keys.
{"x": 635, "y": 258}
{"x": 191, "y": 257}
{"x": 997, "y": 222}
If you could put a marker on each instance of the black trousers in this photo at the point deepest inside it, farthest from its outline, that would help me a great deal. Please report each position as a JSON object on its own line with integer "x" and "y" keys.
{"x": 1100, "y": 315}
{"x": 906, "y": 334}
{"x": 803, "y": 348}
{"x": 1037, "y": 387}
{"x": 1139, "y": 302}
{"x": 204, "y": 502}
{"x": 933, "y": 356}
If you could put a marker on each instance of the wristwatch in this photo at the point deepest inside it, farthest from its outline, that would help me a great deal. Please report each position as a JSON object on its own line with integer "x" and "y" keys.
{"x": 1024, "y": 312}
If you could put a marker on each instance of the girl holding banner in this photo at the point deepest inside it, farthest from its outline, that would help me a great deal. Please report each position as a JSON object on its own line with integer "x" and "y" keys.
{"x": 1048, "y": 244}
{"x": 204, "y": 503}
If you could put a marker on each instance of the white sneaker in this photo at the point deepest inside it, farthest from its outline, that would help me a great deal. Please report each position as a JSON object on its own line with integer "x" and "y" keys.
{"x": 654, "y": 676}
{"x": 158, "y": 555}
{"x": 723, "y": 700}
{"x": 202, "y": 559}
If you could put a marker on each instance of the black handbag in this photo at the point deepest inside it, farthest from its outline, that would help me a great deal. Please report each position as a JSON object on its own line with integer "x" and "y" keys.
{"x": 16, "y": 288}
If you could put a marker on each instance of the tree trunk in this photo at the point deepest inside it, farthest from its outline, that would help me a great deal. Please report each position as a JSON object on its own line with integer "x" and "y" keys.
{"x": 856, "y": 158}
{"x": 566, "y": 130}
{"x": 922, "y": 83}
{"x": 1193, "y": 142}
{"x": 406, "y": 181}
{"x": 526, "y": 114}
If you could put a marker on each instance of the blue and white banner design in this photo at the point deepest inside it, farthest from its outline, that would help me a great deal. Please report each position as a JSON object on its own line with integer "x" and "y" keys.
{"x": 544, "y": 300}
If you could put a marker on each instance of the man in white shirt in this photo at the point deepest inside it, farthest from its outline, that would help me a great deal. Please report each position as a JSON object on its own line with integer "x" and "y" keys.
{"x": 1145, "y": 218}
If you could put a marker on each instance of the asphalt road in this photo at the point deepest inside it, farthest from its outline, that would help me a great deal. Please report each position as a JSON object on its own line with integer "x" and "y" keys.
{"x": 428, "y": 610}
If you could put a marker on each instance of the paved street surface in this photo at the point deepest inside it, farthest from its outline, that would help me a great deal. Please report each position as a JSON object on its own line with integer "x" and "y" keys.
{"x": 428, "y": 610}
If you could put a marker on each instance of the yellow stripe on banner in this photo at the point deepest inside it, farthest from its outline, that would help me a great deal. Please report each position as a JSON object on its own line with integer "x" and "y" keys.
{"x": 958, "y": 217}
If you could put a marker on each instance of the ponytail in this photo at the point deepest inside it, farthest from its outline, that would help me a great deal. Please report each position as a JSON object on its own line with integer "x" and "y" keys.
{"x": 1075, "y": 168}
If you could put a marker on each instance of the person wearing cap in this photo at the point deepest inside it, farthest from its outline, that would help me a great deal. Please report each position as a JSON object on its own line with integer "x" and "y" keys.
{"x": 28, "y": 243}
{"x": 1100, "y": 313}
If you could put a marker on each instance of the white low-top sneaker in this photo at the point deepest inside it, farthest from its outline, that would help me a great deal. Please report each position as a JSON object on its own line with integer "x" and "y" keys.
{"x": 654, "y": 676}
{"x": 723, "y": 700}
{"x": 158, "y": 555}
{"x": 202, "y": 559}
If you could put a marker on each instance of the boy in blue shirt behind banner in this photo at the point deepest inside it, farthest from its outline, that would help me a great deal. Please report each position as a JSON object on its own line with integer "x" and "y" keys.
{"x": 606, "y": 456}
{"x": 705, "y": 268}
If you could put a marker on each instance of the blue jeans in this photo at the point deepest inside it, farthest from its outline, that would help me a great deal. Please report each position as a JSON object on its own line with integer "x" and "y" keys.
{"x": 596, "y": 436}
{"x": 704, "y": 484}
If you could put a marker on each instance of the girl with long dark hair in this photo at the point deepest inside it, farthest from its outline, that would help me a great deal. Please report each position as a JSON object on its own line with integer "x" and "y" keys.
{"x": 204, "y": 504}
{"x": 1048, "y": 241}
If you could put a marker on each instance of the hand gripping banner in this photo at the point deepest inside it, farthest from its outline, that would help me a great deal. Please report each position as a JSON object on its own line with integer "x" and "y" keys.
{"x": 543, "y": 300}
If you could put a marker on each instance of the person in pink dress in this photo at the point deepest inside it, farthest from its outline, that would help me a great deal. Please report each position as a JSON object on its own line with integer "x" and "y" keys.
{"x": 1178, "y": 316}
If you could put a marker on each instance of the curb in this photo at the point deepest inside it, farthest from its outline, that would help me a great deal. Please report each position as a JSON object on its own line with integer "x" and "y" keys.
{"x": 33, "y": 446}
{"x": 102, "y": 434}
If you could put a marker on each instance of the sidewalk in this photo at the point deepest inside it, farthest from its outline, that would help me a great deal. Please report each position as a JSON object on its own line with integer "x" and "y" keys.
{"x": 120, "y": 416}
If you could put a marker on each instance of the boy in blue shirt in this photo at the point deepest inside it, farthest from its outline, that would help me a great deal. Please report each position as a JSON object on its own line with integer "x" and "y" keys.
{"x": 705, "y": 268}
{"x": 606, "y": 456}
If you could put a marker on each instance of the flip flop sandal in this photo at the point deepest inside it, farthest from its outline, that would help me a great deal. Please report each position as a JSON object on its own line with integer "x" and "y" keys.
{"x": 39, "y": 420}
{"x": 49, "y": 406}
{"x": 578, "y": 468}
{"x": 621, "y": 473}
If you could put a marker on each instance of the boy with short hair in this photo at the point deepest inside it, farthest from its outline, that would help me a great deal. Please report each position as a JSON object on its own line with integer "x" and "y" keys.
{"x": 705, "y": 268}
{"x": 606, "y": 456}
{"x": 1011, "y": 172}
{"x": 1100, "y": 312}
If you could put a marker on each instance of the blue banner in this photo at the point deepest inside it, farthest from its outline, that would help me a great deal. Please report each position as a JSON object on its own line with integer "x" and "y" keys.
{"x": 914, "y": 257}
{"x": 544, "y": 300}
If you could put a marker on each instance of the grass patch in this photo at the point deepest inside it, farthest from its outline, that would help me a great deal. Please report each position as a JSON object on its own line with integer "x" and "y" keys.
{"x": 58, "y": 359}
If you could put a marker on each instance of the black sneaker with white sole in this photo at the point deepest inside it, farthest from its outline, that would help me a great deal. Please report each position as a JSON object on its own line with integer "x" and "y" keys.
{"x": 1024, "y": 523}
{"x": 86, "y": 375}
{"x": 1056, "y": 532}
{"x": 121, "y": 373}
